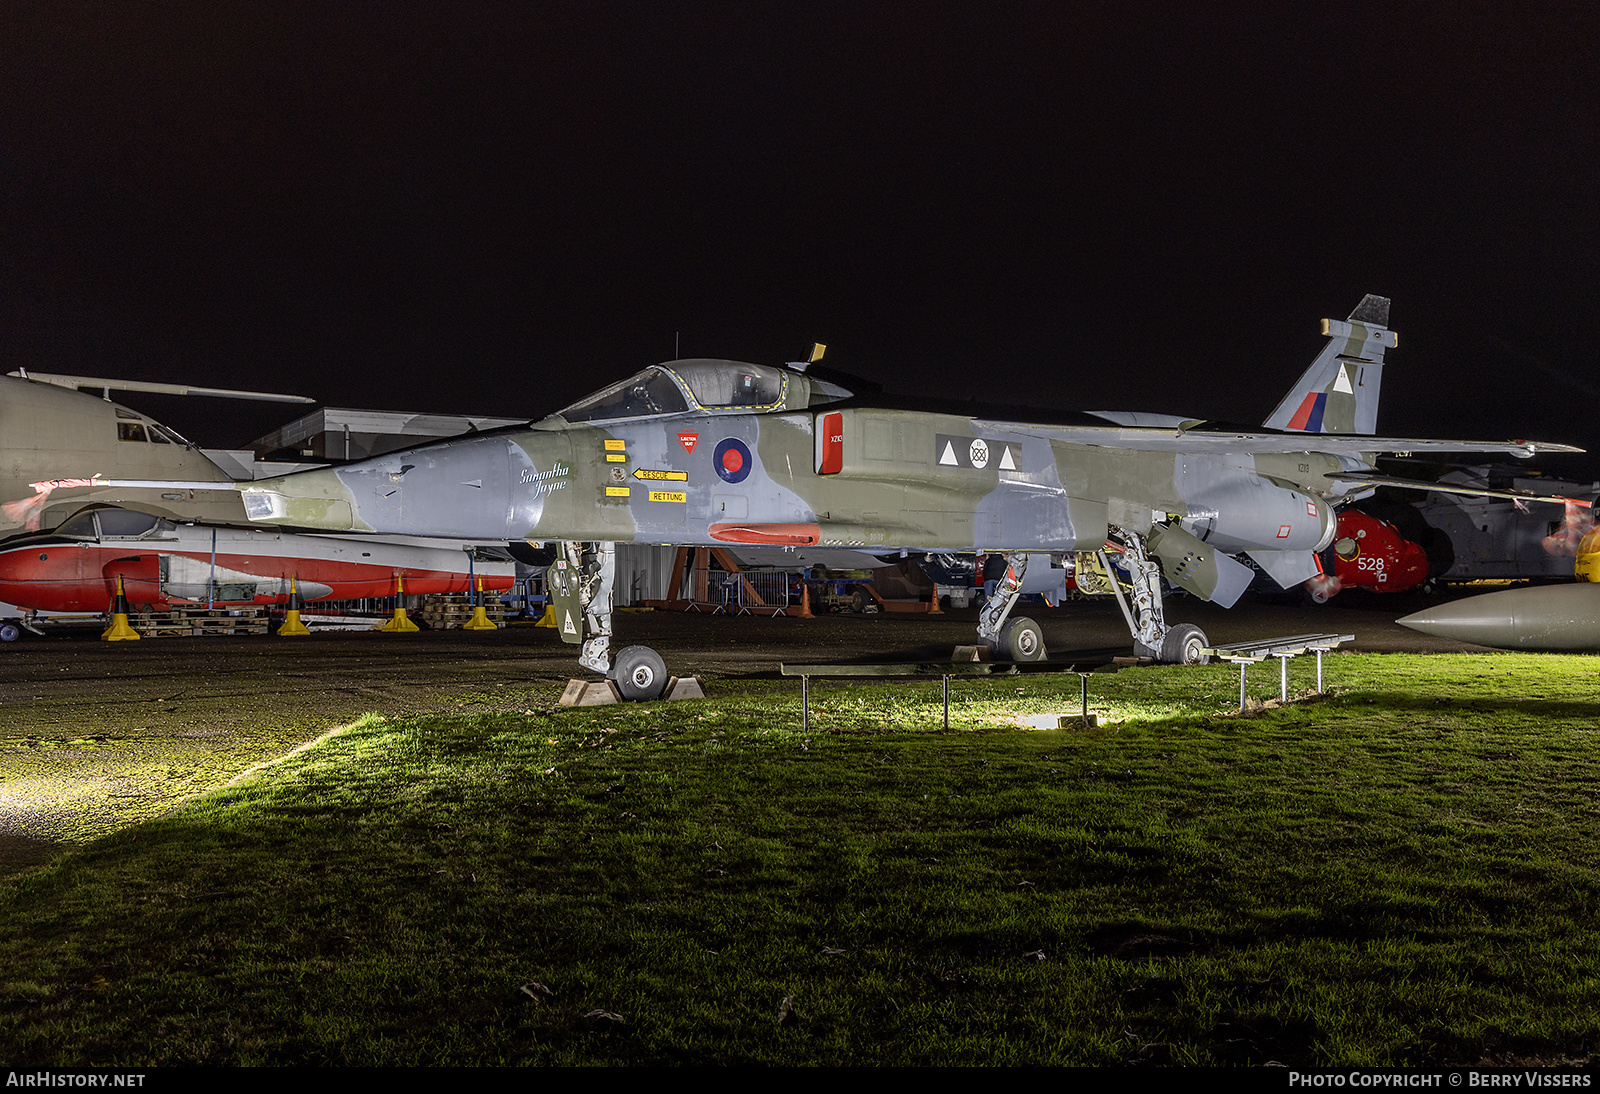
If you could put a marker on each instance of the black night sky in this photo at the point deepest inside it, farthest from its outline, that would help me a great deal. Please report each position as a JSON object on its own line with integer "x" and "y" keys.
{"x": 497, "y": 208}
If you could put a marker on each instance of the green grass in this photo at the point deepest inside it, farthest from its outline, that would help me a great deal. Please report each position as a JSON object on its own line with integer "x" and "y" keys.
{"x": 1402, "y": 873}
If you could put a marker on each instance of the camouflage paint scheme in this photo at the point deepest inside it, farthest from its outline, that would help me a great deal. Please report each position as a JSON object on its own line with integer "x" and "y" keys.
{"x": 818, "y": 465}
{"x": 709, "y": 452}
{"x": 553, "y": 481}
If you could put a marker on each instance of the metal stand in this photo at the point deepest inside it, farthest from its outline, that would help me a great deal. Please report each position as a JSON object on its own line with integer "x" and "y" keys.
{"x": 1248, "y": 653}
{"x": 945, "y": 671}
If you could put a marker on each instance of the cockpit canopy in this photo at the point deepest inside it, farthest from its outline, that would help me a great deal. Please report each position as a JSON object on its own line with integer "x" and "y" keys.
{"x": 106, "y": 523}
{"x": 705, "y": 385}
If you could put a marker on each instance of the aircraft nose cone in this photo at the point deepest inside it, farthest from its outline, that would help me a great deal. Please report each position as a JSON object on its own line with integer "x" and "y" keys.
{"x": 1550, "y": 617}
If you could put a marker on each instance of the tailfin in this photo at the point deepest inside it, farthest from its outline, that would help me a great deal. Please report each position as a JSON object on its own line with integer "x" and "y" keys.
{"x": 1339, "y": 392}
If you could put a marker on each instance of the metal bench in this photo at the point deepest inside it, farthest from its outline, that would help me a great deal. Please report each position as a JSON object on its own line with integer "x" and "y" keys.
{"x": 944, "y": 670}
{"x": 1249, "y": 653}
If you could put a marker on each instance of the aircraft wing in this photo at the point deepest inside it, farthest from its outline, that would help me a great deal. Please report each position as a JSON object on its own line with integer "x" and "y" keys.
{"x": 1375, "y": 478}
{"x": 78, "y": 383}
{"x": 1211, "y": 440}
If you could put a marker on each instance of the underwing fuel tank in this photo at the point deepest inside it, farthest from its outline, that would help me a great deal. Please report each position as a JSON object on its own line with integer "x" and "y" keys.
{"x": 1236, "y": 513}
{"x": 1545, "y": 617}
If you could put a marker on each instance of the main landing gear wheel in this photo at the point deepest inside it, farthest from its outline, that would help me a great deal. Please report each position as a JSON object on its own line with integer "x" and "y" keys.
{"x": 1022, "y": 640}
{"x": 10, "y": 632}
{"x": 1184, "y": 645}
{"x": 640, "y": 673}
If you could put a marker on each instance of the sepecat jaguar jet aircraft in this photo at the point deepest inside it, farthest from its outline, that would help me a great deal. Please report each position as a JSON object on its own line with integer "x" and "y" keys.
{"x": 710, "y": 452}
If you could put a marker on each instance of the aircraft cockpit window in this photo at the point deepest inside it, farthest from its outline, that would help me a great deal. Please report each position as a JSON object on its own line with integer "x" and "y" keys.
{"x": 127, "y": 524}
{"x": 80, "y": 525}
{"x": 649, "y": 393}
{"x": 171, "y": 435}
{"x": 130, "y": 431}
{"x": 720, "y": 384}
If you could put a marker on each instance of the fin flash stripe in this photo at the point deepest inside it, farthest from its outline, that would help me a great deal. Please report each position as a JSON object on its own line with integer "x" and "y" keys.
{"x": 1308, "y": 418}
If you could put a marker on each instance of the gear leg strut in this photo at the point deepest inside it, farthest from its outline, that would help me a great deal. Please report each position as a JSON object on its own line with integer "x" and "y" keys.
{"x": 1145, "y": 617}
{"x": 596, "y": 564}
{"x": 994, "y": 613}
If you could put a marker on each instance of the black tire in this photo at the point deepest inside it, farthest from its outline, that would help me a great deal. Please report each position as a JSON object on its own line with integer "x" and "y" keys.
{"x": 1183, "y": 644}
{"x": 858, "y": 600}
{"x": 10, "y": 632}
{"x": 639, "y": 673}
{"x": 1021, "y": 639}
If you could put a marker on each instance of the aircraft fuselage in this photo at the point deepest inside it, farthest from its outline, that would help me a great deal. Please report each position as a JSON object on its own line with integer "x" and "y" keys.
{"x": 852, "y": 477}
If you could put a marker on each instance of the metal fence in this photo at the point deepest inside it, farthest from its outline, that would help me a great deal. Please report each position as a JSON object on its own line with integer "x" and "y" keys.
{"x": 757, "y": 592}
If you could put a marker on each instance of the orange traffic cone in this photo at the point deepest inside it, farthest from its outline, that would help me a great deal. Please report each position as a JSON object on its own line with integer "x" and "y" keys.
{"x": 119, "y": 631}
{"x": 292, "y": 627}
{"x": 399, "y": 624}
{"x": 480, "y": 615}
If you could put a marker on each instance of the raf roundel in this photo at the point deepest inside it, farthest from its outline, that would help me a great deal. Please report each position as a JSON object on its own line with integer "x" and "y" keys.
{"x": 731, "y": 459}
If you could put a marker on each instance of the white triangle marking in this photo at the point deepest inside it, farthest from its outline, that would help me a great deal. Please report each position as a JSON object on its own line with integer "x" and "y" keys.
{"x": 1341, "y": 382}
{"x": 568, "y": 628}
{"x": 1006, "y": 462}
{"x": 948, "y": 457}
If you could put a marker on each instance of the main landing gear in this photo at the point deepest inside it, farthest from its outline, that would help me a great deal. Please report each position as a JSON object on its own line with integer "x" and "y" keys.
{"x": 1020, "y": 639}
{"x": 580, "y": 585}
{"x": 1180, "y": 645}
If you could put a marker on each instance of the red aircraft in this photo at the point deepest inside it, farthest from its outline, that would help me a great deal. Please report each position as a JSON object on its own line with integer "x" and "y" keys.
{"x": 1368, "y": 553}
{"x": 75, "y": 567}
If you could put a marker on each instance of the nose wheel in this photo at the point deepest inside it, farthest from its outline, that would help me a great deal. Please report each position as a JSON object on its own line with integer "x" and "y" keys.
{"x": 639, "y": 673}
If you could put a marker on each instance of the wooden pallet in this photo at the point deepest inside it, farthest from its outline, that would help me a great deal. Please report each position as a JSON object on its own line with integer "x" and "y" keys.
{"x": 190, "y": 622}
{"x": 450, "y": 611}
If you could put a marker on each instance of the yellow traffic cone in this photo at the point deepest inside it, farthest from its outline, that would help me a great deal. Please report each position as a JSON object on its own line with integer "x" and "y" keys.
{"x": 119, "y": 631}
{"x": 292, "y": 627}
{"x": 399, "y": 624}
{"x": 480, "y": 615}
